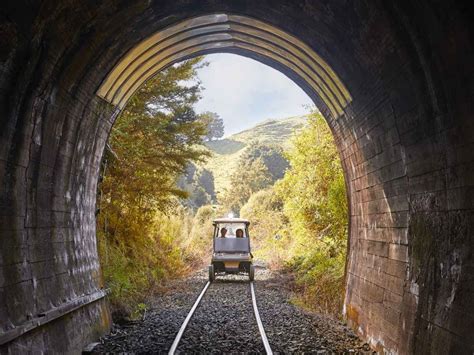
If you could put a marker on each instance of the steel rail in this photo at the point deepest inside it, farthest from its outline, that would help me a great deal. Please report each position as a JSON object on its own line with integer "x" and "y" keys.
{"x": 186, "y": 321}
{"x": 263, "y": 335}
{"x": 181, "y": 331}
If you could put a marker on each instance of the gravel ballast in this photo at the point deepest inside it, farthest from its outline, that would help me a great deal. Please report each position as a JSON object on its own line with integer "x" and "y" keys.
{"x": 224, "y": 322}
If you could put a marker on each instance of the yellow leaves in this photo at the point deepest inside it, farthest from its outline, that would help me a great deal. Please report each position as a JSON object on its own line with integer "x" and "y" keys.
{"x": 315, "y": 204}
{"x": 151, "y": 143}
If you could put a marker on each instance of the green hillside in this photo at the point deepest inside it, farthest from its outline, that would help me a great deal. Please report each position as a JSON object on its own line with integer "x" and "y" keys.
{"x": 226, "y": 152}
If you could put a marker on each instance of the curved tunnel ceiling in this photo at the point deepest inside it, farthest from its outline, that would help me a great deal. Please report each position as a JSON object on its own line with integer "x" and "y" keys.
{"x": 220, "y": 33}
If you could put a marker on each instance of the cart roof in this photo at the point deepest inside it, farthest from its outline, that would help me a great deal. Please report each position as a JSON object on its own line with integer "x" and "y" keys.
{"x": 231, "y": 220}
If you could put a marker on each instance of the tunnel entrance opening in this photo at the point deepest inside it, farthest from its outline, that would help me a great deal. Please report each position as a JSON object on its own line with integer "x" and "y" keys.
{"x": 399, "y": 108}
{"x": 219, "y": 33}
{"x": 245, "y": 174}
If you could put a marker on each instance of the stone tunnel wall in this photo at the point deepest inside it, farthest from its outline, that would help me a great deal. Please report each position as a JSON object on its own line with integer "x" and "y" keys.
{"x": 406, "y": 143}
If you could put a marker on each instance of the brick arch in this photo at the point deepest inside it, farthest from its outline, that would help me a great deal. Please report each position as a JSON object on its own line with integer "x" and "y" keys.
{"x": 405, "y": 138}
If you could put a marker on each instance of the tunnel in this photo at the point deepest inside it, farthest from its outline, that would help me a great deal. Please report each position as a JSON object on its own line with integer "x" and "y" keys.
{"x": 394, "y": 80}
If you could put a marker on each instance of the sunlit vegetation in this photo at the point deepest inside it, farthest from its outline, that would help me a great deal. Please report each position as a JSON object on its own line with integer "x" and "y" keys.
{"x": 315, "y": 203}
{"x": 141, "y": 222}
{"x": 300, "y": 222}
{"x": 215, "y": 125}
{"x": 167, "y": 173}
{"x": 226, "y": 152}
{"x": 269, "y": 227}
{"x": 258, "y": 166}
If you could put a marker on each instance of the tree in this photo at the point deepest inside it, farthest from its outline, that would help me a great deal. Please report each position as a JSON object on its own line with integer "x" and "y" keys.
{"x": 153, "y": 141}
{"x": 313, "y": 189}
{"x": 199, "y": 197}
{"x": 260, "y": 165}
{"x": 269, "y": 231}
{"x": 251, "y": 177}
{"x": 150, "y": 145}
{"x": 215, "y": 125}
{"x": 315, "y": 203}
{"x": 199, "y": 185}
{"x": 205, "y": 179}
{"x": 271, "y": 155}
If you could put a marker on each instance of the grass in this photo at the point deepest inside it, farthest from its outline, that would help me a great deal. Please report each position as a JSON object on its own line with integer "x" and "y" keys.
{"x": 225, "y": 146}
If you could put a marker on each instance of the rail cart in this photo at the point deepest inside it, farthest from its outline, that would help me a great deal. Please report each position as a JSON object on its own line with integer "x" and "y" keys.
{"x": 231, "y": 248}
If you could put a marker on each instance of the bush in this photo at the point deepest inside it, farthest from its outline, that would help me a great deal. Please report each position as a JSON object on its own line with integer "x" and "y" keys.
{"x": 198, "y": 244}
{"x": 319, "y": 280}
{"x": 315, "y": 203}
{"x": 134, "y": 269}
{"x": 140, "y": 222}
{"x": 268, "y": 227}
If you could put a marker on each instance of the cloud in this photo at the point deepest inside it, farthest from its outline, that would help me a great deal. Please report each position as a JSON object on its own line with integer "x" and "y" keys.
{"x": 243, "y": 92}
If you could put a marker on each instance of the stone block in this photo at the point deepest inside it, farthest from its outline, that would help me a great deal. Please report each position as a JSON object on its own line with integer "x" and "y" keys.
{"x": 370, "y": 292}
{"x": 386, "y": 220}
{"x": 460, "y": 175}
{"x": 44, "y": 298}
{"x": 396, "y": 268}
{"x": 11, "y": 222}
{"x": 461, "y": 198}
{"x": 375, "y": 248}
{"x": 393, "y": 284}
{"x": 460, "y": 154}
{"x": 429, "y": 201}
{"x": 392, "y": 300}
{"x": 16, "y": 273}
{"x": 43, "y": 269}
{"x": 375, "y": 234}
{"x": 13, "y": 249}
{"x": 41, "y": 251}
{"x": 20, "y": 302}
{"x": 388, "y": 314}
{"x": 398, "y": 252}
{"x": 384, "y": 205}
{"x": 432, "y": 181}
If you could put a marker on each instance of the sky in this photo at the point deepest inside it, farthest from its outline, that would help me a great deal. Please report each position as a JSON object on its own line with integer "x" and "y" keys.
{"x": 244, "y": 92}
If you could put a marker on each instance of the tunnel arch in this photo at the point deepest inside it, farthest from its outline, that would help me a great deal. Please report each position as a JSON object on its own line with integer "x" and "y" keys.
{"x": 224, "y": 33}
{"x": 396, "y": 98}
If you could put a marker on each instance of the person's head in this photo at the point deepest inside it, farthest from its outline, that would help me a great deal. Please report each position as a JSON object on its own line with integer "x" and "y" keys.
{"x": 223, "y": 232}
{"x": 239, "y": 233}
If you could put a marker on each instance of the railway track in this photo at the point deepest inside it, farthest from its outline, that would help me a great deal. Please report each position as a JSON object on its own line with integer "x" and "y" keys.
{"x": 188, "y": 318}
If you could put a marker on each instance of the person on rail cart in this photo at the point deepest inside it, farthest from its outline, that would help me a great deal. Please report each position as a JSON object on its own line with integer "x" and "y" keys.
{"x": 239, "y": 233}
{"x": 223, "y": 232}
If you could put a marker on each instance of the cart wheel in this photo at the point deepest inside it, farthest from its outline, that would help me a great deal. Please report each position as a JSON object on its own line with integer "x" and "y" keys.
{"x": 212, "y": 274}
{"x": 251, "y": 272}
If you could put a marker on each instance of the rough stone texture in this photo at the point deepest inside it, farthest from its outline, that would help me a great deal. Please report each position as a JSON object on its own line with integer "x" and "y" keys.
{"x": 224, "y": 322}
{"x": 68, "y": 335}
{"x": 406, "y": 142}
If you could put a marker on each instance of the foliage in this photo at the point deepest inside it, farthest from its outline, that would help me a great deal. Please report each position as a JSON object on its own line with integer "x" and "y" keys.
{"x": 150, "y": 145}
{"x": 275, "y": 132}
{"x": 205, "y": 179}
{"x": 271, "y": 155}
{"x": 226, "y": 153}
{"x": 314, "y": 197}
{"x": 319, "y": 279}
{"x": 198, "y": 245}
{"x": 259, "y": 166}
{"x": 270, "y": 237}
{"x": 251, "y": 177}
{"x": 300, "y": 223}
{"x": 215, "y": 125}
{"x": 199, "y": 184}
{"x": 138, "y": 256}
